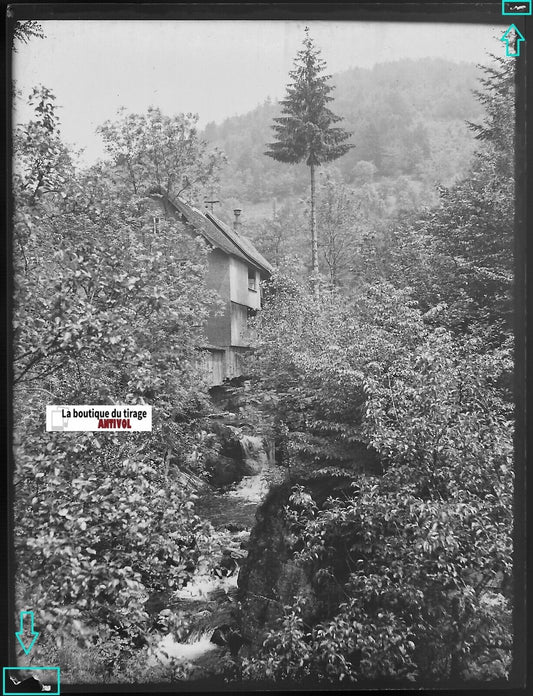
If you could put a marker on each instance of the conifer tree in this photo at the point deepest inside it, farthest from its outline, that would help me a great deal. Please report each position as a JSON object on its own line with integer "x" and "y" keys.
{"x": 305, "y": 131}
{"x": 498, "y": 97}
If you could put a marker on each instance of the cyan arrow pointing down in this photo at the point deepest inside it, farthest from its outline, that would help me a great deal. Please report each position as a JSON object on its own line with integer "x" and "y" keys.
{"x": 30, "y": 635}
{"x": 512, "y": 37}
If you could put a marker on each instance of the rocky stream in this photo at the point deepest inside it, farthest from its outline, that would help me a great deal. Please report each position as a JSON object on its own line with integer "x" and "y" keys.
{"x": 246, "y": 573}
{"x": 200, "y": 624}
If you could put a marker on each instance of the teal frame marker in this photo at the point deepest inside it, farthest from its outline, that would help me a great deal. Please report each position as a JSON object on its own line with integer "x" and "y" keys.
{"x": 517, "y": 14}
{"x": 519, "y": 39}
{"x": 33, "y": 632}
{"x": 29, "y": 669}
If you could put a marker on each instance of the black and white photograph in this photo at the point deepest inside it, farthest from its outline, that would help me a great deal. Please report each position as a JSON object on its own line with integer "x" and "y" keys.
{"x": 264, "y": 349}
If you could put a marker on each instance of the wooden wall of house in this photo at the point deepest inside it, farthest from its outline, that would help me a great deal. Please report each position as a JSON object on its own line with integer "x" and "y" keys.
{"x": 213, "y": 363}
{"x": 234, "y": 358}
{"x": 219, "y": 365}
{"x": 240, "y": 292}
{"x": 218, "y": 328}
{"x": 239, "y": 321}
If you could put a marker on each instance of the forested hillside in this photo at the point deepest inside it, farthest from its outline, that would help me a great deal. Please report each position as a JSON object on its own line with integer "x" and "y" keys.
{"x": 404, "y": 122}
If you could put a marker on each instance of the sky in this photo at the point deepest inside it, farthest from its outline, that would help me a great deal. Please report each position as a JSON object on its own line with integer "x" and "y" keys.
{"x": 215, "y": 68}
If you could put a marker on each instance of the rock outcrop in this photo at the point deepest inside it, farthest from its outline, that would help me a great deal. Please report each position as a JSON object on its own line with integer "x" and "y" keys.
{"x": 237, "y": 454}
{"x": 271, "y": 578}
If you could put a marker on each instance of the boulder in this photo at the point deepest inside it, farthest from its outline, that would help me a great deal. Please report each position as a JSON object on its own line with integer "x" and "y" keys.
{"x": 226, "y": 565}
{"x": 224, "y": 471}
{"x": 227, "y": 636}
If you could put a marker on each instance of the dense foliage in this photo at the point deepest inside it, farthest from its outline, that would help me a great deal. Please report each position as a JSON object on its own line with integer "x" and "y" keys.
{"x": 414, "y": 363}
{"x": 154, "y": 150}
{"x": 423, "y": 552}
{"x": 107, "y": 309}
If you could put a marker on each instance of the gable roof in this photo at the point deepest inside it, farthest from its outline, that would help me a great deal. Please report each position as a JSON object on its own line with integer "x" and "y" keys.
{"x": 220, "y": 235}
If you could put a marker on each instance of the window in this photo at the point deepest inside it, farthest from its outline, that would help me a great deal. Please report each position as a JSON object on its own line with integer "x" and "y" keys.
{"x": 252, "y": 281}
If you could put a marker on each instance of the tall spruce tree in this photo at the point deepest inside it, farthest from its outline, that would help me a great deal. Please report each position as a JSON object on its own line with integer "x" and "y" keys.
{"x": 497, "y": 94}
{"x": 305, "y": 130}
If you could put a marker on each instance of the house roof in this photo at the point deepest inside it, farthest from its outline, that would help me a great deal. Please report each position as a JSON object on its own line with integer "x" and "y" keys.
{"x": 220, "y": 235}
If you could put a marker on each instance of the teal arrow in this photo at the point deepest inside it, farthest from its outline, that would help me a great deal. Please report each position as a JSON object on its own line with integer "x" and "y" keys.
{"x": 28, "y": 636}
{"x": 512, "y": 37}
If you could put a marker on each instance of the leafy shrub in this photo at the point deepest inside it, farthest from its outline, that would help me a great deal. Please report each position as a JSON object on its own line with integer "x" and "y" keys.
{"x": 423, "y": 552}
{"x": 106, "y": 310}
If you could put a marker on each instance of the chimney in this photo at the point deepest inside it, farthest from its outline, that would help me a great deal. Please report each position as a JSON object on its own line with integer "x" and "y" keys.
{"x": 236, "y": 223}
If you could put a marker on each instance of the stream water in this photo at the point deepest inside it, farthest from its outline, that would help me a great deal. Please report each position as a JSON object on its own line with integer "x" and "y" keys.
{"x": 208, "y": 600}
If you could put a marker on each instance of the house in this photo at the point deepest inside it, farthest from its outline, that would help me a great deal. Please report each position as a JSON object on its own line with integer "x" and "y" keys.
{"x": 235, "y": 271}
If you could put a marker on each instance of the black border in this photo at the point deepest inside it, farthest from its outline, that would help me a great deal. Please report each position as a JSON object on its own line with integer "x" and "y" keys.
{"x": 453, "y": 11}
{"x": 426, "y": 11}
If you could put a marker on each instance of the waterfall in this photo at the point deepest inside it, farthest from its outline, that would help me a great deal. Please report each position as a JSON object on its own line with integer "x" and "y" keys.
{"x": 254, "y": 454}
{"x": 198, "y": 643}
{"x": 207, "y": 601}
{"x": 202, "y": 586}
{"x": 198, "y": 635}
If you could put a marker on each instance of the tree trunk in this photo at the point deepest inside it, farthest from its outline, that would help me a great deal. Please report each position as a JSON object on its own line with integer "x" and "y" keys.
{"x": 314, "y": 238}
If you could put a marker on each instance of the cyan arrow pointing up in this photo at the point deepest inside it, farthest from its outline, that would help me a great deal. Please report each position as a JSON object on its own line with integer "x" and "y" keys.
{"x": 512, "y": 37}
{"x": 30, "y": 636}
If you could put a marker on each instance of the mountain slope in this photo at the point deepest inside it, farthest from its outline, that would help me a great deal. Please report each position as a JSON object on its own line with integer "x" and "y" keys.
{"x": 407, "y": 118}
